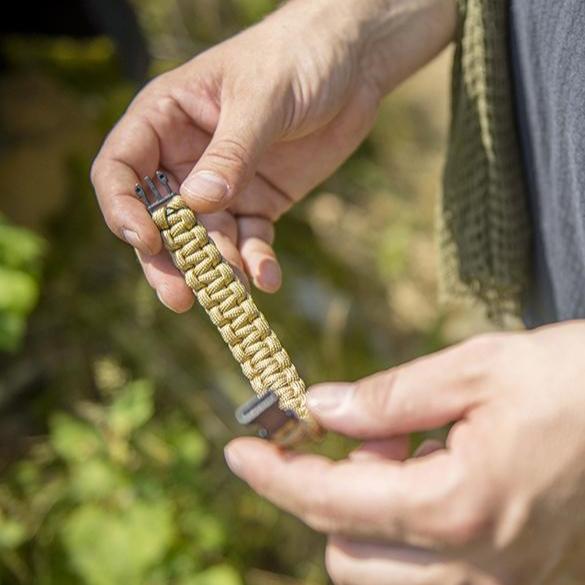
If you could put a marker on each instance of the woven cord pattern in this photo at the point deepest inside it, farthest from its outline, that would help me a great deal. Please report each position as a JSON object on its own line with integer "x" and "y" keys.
{"x": 229, "y": 305}
{"x": 484, "y": 223}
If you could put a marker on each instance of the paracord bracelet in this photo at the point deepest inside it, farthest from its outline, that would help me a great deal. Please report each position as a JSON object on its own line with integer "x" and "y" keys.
{"x": 279, "y": 408}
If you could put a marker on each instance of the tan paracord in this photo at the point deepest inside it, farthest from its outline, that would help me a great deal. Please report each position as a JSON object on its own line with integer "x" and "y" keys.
{"x": 229, "y": 305}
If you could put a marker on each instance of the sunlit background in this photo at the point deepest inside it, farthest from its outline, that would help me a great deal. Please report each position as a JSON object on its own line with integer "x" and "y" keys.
{"x": 113, "y": 410}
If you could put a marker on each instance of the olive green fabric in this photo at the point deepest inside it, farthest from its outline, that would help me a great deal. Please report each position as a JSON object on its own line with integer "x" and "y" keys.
{"x": 484, "y": 223}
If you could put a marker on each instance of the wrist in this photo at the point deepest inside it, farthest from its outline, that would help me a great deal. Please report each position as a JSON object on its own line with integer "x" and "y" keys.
{"x": 401, "y": 36}
{"x": 390, "y": 39}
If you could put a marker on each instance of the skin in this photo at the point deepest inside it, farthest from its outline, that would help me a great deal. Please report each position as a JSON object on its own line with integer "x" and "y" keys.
{"x": 247, "y": 129}
{"x": 267, "y": 116}
{"x": 500, "y": 504}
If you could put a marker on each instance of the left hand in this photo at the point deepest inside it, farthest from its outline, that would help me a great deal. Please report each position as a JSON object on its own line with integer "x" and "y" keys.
{"x": 502, "y": 503}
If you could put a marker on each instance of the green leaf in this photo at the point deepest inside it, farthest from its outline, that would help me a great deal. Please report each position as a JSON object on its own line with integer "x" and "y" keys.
{"x": 73, "y": 440}
{"x": 95, "y": 479}
{"x": 206, "y": 531}
{"x": 112, "y": 546}
{"x": 12, "y": 329}
{"x": 393, "y": 252}
{"x": 19, "y": 247}
{"x": 132, "y": 408}
{"x": 187, "y": 443}
{"x": 218, "y": 575}
{"x": 12, "y": 533}
{"x": 18, "y": 291}
{"x": 253, "y": 10}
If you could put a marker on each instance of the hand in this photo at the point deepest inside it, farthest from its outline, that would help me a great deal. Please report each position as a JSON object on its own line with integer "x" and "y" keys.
{"x": 502, "y": 503}
{"x": 249, "y": 127}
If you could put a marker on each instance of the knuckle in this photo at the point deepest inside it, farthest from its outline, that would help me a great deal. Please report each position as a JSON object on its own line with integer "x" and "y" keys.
{"x": 465, "y": 529}
{"x": 230, "y": 152}
{"x": 154, "y": 87}
{"x": 458, "y": 514}
{"x": 113, "y": 213}
{"x": 375, "y": 393}
{"x": 479, "y": 356}
{"x": 485, "y": 344}
{"x": 467, "y": 521}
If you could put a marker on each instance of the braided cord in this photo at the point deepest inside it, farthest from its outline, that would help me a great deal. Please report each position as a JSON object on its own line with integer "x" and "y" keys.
{"x": 229, "y": 305}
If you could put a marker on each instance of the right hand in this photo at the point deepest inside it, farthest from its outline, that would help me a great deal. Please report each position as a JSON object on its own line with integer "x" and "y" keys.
{"x": 246, "y": 129}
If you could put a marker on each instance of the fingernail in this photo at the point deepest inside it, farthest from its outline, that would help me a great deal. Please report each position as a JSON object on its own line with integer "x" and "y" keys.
{"x": 233, "y": 461}
{"x": 330, "y": 398}
{"x": 161, "y": 298}
{"x": 205, "y": 185}
{"x": 270, "y": 275}
{"x": 132, "y": 238}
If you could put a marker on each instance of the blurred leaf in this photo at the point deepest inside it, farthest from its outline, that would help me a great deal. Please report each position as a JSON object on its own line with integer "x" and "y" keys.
{"x": 19, "y": 247}
{"x": 20, "y": 252}
{"x": 393, "y": 251}
{"x": 206, "y": 531}
{"x": 11, "y": 331}
{"x": 112, "y": 546}
{"x": 12, "y": 533}
{"x": 18, "y": 291}
{"x": 73, "y": 440}
{"x": 132, "y": 408}
{"x": 218, "y": 575}
{"x": 187, "y": 443}
{"x": 95, "y": 479}
{"x": 253, "y": 10}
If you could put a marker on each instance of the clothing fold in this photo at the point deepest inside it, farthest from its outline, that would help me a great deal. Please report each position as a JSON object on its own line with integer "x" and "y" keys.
{"x": 483, "y": 218}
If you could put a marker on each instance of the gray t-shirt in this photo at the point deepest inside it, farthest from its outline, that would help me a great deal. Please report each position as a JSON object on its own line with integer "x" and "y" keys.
{"x": 548, "y": 56}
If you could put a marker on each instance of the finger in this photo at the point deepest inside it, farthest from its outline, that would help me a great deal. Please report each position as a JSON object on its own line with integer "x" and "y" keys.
{"x": 230, "y": 160}
{"x": 428, "y": 447}
{"x": 167, "y": 281}
{"x": 256, "y": 235}
{"x": 408, "y": 502}
{"x": 129, "y": 152}
{"x": 354, "y": 562}
{"x": 262, "y": 198}
{"x": 423, "y": 395}
{"x": 394, "y": 449}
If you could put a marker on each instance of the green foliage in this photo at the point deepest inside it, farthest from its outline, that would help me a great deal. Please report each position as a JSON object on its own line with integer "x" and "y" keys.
{"x": 117, "y": 546}
{"x": 220, "y": 575}
{"x": 20, "y": 255}
{"x": 253, "y": 10}
{"x": 111, "y": 493}
{"x": 131, "y": 409}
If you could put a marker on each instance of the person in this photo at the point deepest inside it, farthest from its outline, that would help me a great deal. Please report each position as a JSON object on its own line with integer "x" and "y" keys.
{"x": 246, "y": 129}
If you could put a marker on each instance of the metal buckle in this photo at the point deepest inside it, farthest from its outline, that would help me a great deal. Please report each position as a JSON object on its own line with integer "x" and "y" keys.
{"x": 274, "y": 424}
{"x": 156, "y": 198}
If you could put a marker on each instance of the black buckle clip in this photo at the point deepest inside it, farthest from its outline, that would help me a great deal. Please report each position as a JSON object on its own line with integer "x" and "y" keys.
{"x": 274, "y": 424}
{"x": 157, "y": 198}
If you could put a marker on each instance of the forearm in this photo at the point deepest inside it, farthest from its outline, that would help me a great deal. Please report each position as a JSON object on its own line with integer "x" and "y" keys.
{"x": 406, "y": 36}
{"x": 392, "y": 38}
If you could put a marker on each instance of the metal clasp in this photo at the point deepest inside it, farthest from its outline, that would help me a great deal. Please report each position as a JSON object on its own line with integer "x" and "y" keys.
{"x": 280, "y": 426}
{"x": 156, "y": 198}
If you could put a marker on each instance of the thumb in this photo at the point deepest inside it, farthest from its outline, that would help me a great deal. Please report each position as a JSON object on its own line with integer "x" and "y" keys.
{"x": 423, "y": 395}
{"x": 230, "y": 160}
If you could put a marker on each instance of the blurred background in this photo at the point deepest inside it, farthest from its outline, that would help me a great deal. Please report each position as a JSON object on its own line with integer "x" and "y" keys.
{"x": 113, "y": 410}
